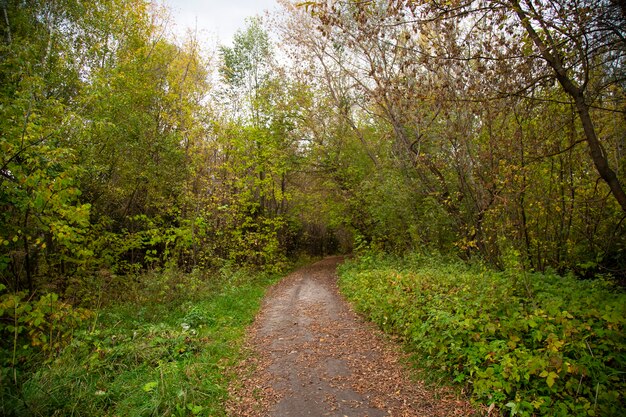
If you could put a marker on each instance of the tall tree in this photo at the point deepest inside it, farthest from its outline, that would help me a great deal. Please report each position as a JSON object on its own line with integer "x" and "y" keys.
{"x": 246, "y": 65}
{"x": 43, "y": 223}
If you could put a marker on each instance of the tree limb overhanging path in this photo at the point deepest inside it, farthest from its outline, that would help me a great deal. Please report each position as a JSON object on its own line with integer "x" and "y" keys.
{"x": 312, "y": 356}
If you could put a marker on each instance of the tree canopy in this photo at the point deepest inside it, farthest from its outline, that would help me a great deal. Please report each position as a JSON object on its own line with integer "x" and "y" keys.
{"x": 486, "y": 129}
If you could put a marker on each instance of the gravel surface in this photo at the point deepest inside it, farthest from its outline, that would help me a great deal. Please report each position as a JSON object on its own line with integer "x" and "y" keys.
{"x": 311, "y": 355}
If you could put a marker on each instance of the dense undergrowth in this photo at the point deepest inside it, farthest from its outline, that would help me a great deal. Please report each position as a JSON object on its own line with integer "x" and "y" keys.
{"x": 532, "y": 344}
{"x": 163, "y": 350}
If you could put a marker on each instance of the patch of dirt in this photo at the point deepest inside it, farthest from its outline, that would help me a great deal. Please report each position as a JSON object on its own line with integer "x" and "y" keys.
{"x": 313, "y": 356}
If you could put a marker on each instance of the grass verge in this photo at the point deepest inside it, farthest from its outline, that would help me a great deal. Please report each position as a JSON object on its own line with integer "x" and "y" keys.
{"x": 531, "y": 344}
{"x": 164, "y": 351}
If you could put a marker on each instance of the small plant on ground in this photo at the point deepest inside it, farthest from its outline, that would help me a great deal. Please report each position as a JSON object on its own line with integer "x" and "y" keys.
{"x": 539, "y": 344}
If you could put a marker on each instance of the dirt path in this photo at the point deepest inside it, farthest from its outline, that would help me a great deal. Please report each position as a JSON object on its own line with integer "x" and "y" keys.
{"x": 314, "y": 357}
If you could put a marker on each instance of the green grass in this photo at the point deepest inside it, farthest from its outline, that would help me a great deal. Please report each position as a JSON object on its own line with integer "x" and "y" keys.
{"x": 533, "y": 344}
{"x": 164, "y": 351}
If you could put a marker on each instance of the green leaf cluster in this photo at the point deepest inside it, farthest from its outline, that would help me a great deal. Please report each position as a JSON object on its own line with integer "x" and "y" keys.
{"x": 39, "y": 329}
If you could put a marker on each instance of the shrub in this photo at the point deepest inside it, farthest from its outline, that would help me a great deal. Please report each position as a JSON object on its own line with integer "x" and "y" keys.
{"x": 32, "y": 333}
{"x": 536, "y": 344}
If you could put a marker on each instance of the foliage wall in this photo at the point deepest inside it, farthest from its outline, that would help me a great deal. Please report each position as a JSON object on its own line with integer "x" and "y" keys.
{"x": 489, "y": 129}
{"x": 119, "y": 155}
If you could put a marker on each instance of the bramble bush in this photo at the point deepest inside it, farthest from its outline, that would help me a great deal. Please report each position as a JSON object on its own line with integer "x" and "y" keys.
{"x": 534, "y": 344}
{"x": 32, "y": 332}
{"x": 43, "y": 327}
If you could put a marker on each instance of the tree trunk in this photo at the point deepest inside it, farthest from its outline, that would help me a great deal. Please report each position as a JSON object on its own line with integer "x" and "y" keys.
{"x": 597, "y": 154}
{"x": 582, "y": 108}
{"x": 7, "y": 29}
{"x": 27, "y": 263}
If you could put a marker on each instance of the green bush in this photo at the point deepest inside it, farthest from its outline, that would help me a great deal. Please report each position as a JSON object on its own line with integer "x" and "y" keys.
{"x": 535, "y": 344}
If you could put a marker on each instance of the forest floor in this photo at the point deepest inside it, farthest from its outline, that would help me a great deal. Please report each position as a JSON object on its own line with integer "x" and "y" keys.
{"x": 311, "y": 355}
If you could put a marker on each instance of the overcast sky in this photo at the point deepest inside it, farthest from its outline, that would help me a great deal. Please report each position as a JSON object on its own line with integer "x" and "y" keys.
{"x": 216, "y": 19}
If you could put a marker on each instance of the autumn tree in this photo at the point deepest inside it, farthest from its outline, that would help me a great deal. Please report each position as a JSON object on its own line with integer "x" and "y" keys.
{"x": 43, "y": 222}
{"x": 461, "y": 98}
{"x": 100, "y": 113}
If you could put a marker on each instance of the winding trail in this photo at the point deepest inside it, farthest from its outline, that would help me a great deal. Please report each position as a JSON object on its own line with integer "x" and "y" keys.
{"x": 312, "y": 356}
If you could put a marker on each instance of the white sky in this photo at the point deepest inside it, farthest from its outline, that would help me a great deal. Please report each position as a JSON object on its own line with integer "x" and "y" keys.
{"x": 217, "y": 20}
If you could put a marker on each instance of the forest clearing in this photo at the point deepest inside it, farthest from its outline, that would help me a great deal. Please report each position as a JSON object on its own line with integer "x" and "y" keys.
{"x": 163, "y": 203}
